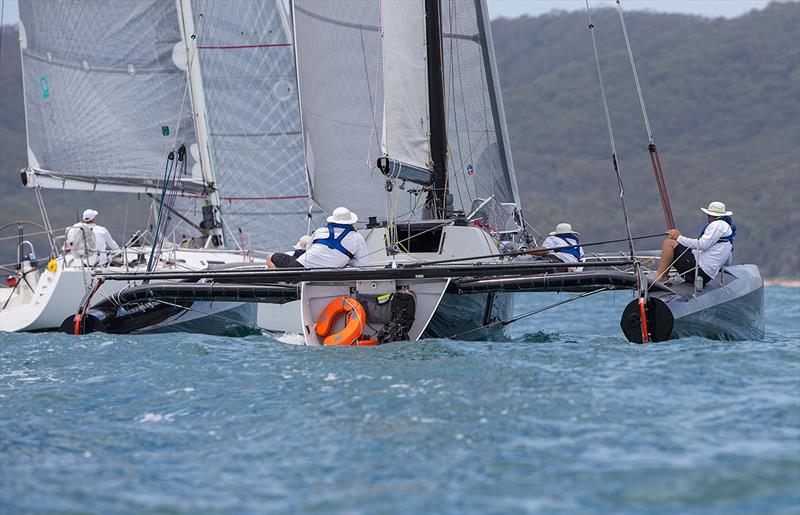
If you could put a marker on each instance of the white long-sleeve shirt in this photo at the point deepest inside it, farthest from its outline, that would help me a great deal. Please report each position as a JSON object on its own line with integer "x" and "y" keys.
{"x": 322, "y": 256}
{"x": 103, "y": 242}
{"x": 553, "y": 242}
{"x": 708, "y": 252}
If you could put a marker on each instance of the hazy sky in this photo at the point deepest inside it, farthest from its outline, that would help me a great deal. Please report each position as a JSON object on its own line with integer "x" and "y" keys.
{"x": 514, "y": 8}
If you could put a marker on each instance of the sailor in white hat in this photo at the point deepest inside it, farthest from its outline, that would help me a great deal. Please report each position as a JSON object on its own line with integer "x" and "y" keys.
{"x": 336, "y": 245}
{"x": 99, "y": 241}
{"x": 566, "y": 240}
{"x": 704, "y": 255}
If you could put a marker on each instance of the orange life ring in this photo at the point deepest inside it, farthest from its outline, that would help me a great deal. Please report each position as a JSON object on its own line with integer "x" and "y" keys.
{"x": 355, "y": 322}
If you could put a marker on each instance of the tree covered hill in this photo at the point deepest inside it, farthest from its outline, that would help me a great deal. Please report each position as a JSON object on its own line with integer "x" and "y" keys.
{"x": 723, "y": 98}
{"x": 724, "y": 103}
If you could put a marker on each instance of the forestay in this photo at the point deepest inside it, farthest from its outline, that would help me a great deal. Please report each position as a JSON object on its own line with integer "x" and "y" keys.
{"x": 104, "y": 94}
{"x": 248, "y": 75}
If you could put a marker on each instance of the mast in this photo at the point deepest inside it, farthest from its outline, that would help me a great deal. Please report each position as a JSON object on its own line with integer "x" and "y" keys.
{"x": 437, "y": 197}
{"x": 211, "y": 213}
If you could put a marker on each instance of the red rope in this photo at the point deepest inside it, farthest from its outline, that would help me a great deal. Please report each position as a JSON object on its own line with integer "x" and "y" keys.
{"x": 231, "y": 199}
{"x": 232, "y": 47}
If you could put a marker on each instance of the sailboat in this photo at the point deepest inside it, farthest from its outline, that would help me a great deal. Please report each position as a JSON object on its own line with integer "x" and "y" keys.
{"x": 403, "y": 120}
{"x": 120, "y": 98}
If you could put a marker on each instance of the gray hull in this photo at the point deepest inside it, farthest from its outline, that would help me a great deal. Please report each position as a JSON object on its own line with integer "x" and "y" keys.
{"x": 212, "y": 318}
{"x": 731, "y": 307}
{"x": 463, "y": 317}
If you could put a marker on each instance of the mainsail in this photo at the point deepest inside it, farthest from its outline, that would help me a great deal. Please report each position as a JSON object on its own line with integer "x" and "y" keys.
{"x": 362, "y": 89}
{"x": 248, "y": 80}
{"x": 107, "y": 97}
{"x": 104, "y": 97}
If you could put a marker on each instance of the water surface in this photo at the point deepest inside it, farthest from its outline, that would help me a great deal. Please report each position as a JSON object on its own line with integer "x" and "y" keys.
{"x": 566, "y": 417}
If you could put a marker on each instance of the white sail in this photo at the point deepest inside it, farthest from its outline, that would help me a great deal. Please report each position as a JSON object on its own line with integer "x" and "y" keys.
{"x": 346, "y": 75}
{"x": 104, "y": 93}
{"x": 406, "y": 119}
{"x": 337, "y": 44}
{"x": 248, "y": 79}
{"x": 480, "y": 163}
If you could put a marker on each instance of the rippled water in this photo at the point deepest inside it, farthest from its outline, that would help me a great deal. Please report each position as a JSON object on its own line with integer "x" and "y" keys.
{"x": 567, "y": 417}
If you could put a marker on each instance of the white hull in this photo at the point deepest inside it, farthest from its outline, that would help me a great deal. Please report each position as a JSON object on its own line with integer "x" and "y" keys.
{"x": 54, "y": 296}
{"x": 300, "y": 317}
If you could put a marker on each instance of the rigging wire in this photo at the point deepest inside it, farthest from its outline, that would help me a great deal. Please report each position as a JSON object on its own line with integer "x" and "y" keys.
{"x": 614, "y": 160}
{"x": 168, "y": 167}
{"x": 529, "y": 313}
{"x": 554, "y": 249}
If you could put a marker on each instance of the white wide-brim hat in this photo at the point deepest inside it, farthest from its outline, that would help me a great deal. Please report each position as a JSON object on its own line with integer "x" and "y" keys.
{"x": 342, "y": 215}
{"x": 302, "y": 243}
{"x": 716, "y": 209}
{"x": 564, "y": 228}
{"x": 89, "y": 215}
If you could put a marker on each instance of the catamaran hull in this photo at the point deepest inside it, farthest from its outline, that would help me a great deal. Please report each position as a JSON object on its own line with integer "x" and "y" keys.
{"x": 211, "y": 318}
{"x": 455, "y": 315}
{"x": 734, "y": 311}
{"x": 729, "y": 308}
{"x": 471, "y": 317}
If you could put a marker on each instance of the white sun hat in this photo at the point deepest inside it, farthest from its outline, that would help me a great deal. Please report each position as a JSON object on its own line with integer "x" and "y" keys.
{"x": 716, "y": 209}
{"x": 564, "y": 228}
{"x": 89, "y": 215}
{"x": 342, "y": 215}
{"x": 302, "y": 243}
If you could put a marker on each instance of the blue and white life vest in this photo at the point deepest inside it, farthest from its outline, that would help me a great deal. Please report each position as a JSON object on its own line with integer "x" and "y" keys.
{"x": 572, "y": 251}
{"x": 728, "y": 220}
{"x": 335, "y": 243}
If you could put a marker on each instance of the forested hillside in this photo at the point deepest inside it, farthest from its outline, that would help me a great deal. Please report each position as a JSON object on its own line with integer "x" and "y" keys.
{"x": 724, "y": 103}
{"x": 723, "y": 98}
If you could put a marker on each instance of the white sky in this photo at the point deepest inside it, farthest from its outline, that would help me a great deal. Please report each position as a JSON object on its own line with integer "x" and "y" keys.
{"x": 514, "y": 8}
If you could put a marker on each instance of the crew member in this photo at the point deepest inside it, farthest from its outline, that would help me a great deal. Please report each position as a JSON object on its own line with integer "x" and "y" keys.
{"x": 566, "y": 241}
{"x": 301, "y": 246}
{"x": 710, "y": 250}
{"x": 336, "y": 245}
{"x": 103, "y": 242}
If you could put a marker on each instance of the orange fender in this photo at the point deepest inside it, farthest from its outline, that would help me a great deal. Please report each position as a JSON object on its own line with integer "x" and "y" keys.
{"x": 355, "y": 322}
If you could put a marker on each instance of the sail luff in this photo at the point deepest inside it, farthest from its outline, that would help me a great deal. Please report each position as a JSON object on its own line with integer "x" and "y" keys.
{"x": 406, "y": 116}
{"x": 308, "y": 170}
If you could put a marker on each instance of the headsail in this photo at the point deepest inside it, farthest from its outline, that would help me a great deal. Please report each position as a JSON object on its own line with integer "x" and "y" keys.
{"x": 480, "y": 158}
{"x": 104, "y": 96}
{"x": 248, "y": 75}
{"x": 406, "y": 118}
{"x": 341, "y": 99}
